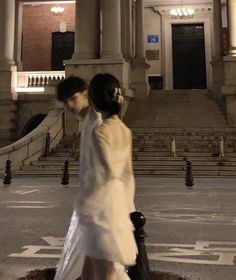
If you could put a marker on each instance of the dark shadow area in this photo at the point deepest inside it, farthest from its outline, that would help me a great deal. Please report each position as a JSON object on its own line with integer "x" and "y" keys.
{"x": 32, "y": 124}
{"x": 49, "y": 273}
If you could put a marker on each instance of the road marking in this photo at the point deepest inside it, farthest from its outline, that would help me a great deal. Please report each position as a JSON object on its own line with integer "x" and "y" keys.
{"x": 24, "y": 192}
{"x": 203, "y": 252}
{"x": 33, "y": 252}
{"x": 54, "y": 241}
{"x": 27, "y": 204}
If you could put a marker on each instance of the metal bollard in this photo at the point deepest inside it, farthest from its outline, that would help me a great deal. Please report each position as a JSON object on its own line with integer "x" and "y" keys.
{"x": 7, "y": 175}
{"x": 141, "y": 270}
{"x": 188, "y": 176}
{"x": 65, "y": 176}
{"x": 47, "y": 146}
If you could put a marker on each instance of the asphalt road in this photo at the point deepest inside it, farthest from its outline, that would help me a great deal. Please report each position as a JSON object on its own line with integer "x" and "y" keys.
{"x": 191, "y": 232}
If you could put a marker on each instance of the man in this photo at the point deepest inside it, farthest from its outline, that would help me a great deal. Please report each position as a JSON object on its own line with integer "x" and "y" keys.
{"x": 73, "y": 92}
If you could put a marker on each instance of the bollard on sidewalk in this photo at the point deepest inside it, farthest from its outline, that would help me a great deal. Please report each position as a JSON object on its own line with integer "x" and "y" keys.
{"x": 141, "y": 270}
{"x": 7, "y": 175}
{"x": 65, "y": 176}
{"x": 188, "y": 176}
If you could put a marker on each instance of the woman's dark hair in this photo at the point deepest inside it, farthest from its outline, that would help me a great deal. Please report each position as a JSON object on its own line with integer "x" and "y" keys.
{"x": 69, "y": 87}
{"x": 101, "y": 92}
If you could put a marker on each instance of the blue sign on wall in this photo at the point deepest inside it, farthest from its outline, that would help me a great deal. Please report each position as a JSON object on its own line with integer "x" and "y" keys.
{"x": 153, "y": 38}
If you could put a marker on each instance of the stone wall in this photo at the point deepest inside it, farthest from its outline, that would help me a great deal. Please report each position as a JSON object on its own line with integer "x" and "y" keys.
{"x": 38, "y": 25}
{"x": 152, "y": 26}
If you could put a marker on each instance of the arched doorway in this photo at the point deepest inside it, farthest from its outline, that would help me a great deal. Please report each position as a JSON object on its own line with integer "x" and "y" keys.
{"x": 32, "y": 124}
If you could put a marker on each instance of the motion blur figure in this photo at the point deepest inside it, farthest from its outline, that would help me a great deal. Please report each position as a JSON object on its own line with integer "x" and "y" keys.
{"x": 100, "y": 240}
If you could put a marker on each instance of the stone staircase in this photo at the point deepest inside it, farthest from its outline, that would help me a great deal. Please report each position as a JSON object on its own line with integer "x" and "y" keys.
{"x": 152, "y": 155}
{"x": 194, "y": 120}
{"x": 173, "y": 109}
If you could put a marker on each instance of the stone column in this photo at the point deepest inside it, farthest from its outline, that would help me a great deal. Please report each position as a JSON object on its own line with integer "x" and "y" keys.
{"x": 139, "y": 27}
{"x": 126, "y": 28}
{"x": 18, "y": 34}
{"x": 217, "y": 22}
{"x": 139, "y": 65}
{"x": 111, "y": 44}
{"x": 87, "y": 28}
{"x": 229, "y": 88}
{"x": 7, "y": 31}
{"x": 232, "y": 26}
{"x": 7, "y": 69}
{"x": 217, "y": 59}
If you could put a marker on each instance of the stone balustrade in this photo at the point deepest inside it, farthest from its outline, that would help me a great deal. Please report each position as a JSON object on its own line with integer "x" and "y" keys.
{"x": 32, "y": 146}
{"x": 38, "y": 79}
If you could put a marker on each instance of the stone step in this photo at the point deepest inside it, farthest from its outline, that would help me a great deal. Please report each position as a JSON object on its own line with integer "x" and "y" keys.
{"x": 182, "y": 168}
{"x": 181, "y": 154}
{"x": 202, "y": 164}
{"x": 136, "y": 168}
{"x": 193, "y": 159}
{"x": 183, "y": 150}
{"x": 147, "y": 161}
{"x": 143, "y": 173}
{"x": 150, "y": 157}
{"x": 143, "y": 163}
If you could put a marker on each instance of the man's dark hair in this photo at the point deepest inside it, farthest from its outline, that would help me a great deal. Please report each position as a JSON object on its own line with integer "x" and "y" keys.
{"x": 101, "y": 93}
{"x": 69, "y": 87}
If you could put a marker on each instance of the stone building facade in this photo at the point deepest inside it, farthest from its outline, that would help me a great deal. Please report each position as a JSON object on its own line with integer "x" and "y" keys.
{"x": 135, "y": 40}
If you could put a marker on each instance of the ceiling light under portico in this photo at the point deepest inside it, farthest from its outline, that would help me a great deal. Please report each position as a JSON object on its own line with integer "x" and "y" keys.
{"x": 182, "y": 13}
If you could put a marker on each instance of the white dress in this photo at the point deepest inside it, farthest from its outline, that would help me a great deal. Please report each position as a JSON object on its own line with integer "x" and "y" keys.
{"x": 100, "y": 225}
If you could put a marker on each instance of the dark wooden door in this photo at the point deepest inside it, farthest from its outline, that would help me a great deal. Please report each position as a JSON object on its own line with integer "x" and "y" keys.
{"x": 62, "y": 48}
{"x": 189, "y": 62}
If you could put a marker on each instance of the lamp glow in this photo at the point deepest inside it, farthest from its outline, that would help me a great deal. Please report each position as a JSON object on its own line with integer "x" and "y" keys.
{"x": 30, "y": 89}
{"x": 57, "y": 10}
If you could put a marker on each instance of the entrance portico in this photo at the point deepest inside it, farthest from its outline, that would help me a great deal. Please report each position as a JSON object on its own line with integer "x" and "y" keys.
{"x": 117, "y": 36}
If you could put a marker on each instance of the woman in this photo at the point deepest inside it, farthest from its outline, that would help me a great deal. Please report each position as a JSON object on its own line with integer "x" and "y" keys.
{"x": 105, "y": 241}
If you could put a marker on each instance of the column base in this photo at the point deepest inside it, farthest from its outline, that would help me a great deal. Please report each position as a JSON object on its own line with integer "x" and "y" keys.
{"x": 8, "y": 106}
{"x": 8, "y": 124}
{"x": 139, "y": 78}
{"x": 8, "y": 83}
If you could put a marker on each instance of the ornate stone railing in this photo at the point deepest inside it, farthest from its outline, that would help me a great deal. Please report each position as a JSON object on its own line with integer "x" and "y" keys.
{"x": 38, "y": 79}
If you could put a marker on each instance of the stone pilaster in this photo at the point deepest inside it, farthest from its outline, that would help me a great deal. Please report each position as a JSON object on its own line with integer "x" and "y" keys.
{"x": 139, "y": 65}
{"x": 126, "y": 28}
{"x": 229, "y": 88}
{"x": 111, "y": 29}
{"x": 7, "y": 31}
{"x": 232, "y": 26}
{"x": 18, "y": 34}
{"x": 87, "y": 32}
{"x": 7, "y": 68}
{"x": 217, "y": 59}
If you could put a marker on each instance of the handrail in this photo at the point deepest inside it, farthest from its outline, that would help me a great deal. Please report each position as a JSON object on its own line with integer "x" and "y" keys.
{"x": 32, "y": 146}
